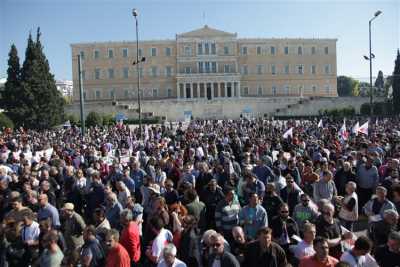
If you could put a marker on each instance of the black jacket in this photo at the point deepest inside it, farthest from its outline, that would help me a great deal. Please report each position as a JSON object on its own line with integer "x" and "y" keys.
{"x": 274, "y": 256}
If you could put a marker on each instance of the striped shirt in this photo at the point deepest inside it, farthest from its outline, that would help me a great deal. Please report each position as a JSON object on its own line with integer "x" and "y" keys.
{"x": 227, "y": 215}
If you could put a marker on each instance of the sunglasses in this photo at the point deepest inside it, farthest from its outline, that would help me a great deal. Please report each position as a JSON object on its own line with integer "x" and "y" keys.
{"x": 290, "y": 182}
{"x": 284, "y": 211}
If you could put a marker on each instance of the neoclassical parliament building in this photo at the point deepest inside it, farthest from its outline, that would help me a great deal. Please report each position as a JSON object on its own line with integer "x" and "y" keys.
{"x": 207, "y": 64}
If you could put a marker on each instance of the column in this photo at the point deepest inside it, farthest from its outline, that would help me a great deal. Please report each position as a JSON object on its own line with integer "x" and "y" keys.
{"x": 191, "y": 91}
{"x": 225, "y": 90}
{"x": 184, "y": 91}
{"x": 216, "y": 89}
{"x": 238, "y": 89}
{"x": 212, "y": 90}
{"x": 178, "y": 91}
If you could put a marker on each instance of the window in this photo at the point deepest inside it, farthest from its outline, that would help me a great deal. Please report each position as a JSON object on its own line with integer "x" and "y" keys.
{"x": 125, "y": 52}
{"x": 246, "y": 91}
{"x": 155, "y": 93}
{"x": 82, "y": 54}
{"x": 313, "y": 69}
{"x": 313, "y": 50}
{"x": 97, "y": 74}
{"x": 98, "y": 94}
{"x": 286, "y": 89}
{"x": 273, "y": 69}
{"x": 300, "y": 50}
{"x": 207, "y": 67}
{"x": 110, "y": 53}
{"x": 214, "y": 67}
{"x": 287, "y": 69}
{"x": 112, "y": 93}
{"x": 260, "y": 90}
{"x": 273, "y": 90}
{"x": 213, "y": 49}
{"x": 300, "y": 69}
{"x": 272, "y": 50}
{"x": 140, "y": 52}
{"x": 96, "y": 54}
{"x": 153, "y": 52}
{"x": 168, "y": 51}
{"x": 154, "y": 71}
{"x": 227, "y": 68}
{"x": 207, "y": 48}
{"x": 244, "y": 50}
{"x": 327, "y": 69}
{"x": 326, "y": 50}
{"x": 314, "y": 89}
{"x": 327, "y": 88}
{"x": 245, "y": 70}
{"x": 258, "y": 50}
{"x": 188, "y": 51}
{"x": 200, "y": 48}
{"x": 259, "y": 69}
{"x": 226, "y": 50}
{"x": 126, "y": 93}
{"x": 126, "y": 72}
{"x": 83, "y": 75}
{"x": 188, "y": 70}
{"x": 201, "y": 67}
{"x": 168, "y": 71}
{"x": 169, "y": 92}
{"x": 111, "y": 73}
{"x": 286, "y": 50}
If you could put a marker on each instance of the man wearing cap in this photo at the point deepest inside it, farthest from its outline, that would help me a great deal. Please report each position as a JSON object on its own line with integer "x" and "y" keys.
{"x": 73, "y": 228}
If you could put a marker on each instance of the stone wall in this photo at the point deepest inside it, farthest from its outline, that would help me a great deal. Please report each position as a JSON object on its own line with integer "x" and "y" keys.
{"x": 223, "y": 108}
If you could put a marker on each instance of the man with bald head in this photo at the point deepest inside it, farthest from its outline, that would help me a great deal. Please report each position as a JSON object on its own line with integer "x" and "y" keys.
{"x": 48, "y": 211}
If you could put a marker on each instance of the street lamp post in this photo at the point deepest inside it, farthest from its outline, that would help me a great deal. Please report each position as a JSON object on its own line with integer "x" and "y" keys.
{"x": 377, "y": 13}
{"x": 135, "y": 14}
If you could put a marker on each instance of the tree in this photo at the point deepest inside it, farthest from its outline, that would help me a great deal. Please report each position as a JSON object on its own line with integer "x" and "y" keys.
{"x": 5, "y": 121}
{"x": 43, "y": 104}
{"x": 94, "y": 119}
{"x": 10, "y": 101}
{"x": 347, "y": 86}
{"x": 396, "y": 84}
{"x": 379, "y": 84}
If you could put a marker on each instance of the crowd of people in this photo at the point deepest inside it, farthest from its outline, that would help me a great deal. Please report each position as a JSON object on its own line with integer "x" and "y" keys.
{"x": 216, "y": 193}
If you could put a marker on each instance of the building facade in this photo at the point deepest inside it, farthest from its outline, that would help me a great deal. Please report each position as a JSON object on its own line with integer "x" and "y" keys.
{"x": 65, "y": 87}
{"x": 207, "y": 64}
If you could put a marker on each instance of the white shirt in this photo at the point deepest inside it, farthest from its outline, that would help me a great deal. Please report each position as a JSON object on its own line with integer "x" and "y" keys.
{"x": 216, "y": 263}
{"x": 30, "y": 232}
{"x": 303, "y": 249}
{"x": 162, "y": 239}
{"x": 177, "y": 263}
{"x": 361, "y": 261}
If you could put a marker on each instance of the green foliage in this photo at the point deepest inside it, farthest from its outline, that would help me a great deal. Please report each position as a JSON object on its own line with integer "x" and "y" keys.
{"x": 347, "y": 86}
{"x": 94, "y": 119}
{"x": 72, "y": 118}
{"x": 379, "y": 109}
{"x": 396, "y": 85}
{"x": 108, "y": 119}
{"x": 5, "y": 121}
{"x": 31, "y": 98}
{"x": 338, "y": 112}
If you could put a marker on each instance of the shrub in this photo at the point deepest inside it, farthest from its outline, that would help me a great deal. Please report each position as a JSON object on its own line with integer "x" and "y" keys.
{"x": 5, "y": 122}
{"x": 94, "y": 119}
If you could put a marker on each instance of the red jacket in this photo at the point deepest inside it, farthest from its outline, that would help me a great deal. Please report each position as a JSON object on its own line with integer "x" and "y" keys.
{"x": 130, "y": 239}
{"x": 118, "y": 257}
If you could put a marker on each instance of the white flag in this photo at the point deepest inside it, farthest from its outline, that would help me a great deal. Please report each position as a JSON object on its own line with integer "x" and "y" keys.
{"x": 363, "y": 128}
{"x": 288, "y": 133}
{"x": 343, "y": 134}
{"x": 146, "y": 133}
{"x": 320, "y": 125}
{"x": 355, "y": 128}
